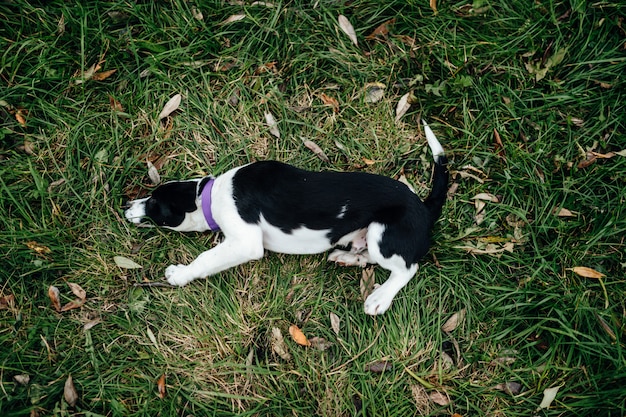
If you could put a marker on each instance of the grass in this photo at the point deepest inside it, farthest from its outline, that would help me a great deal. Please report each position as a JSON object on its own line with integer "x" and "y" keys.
{"x": 476, "y": 69}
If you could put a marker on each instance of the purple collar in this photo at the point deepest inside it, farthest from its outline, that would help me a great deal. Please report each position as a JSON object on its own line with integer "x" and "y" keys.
{"x": 206, "y": 205}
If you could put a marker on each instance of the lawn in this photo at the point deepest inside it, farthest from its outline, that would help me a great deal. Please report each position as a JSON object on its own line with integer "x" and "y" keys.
{"x": 522, "y": 295}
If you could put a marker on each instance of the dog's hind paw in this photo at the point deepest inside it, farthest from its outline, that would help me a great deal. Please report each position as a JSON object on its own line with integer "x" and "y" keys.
{"x": 177, "y": 275}
{"x": 348, "y": 258}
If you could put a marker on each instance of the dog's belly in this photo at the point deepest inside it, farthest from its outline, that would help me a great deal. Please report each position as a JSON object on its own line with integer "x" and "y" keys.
{"x": 301, "y": 241}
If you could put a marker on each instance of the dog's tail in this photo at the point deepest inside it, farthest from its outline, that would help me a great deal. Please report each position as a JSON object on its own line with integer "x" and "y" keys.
{"x": 434, "y": 202}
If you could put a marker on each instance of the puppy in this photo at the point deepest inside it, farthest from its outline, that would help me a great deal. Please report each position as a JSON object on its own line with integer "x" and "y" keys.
{"x": 275, "y": 206}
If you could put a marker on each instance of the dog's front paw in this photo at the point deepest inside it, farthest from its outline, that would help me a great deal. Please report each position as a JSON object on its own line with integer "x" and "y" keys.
{"x": 378, "y": 301}
{"x": 177, "y": 275}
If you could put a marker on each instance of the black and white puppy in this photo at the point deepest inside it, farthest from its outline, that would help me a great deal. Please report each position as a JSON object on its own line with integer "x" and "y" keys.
{"x": 275, "y": 206}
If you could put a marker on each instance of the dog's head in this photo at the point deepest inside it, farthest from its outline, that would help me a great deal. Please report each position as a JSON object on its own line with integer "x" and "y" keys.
{"x": 174, "y": 205}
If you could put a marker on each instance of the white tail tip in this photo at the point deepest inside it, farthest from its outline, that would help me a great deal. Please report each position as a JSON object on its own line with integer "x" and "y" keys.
{"x": 434, "y": 144}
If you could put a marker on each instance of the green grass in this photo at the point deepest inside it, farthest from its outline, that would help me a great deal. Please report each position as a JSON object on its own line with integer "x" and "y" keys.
{"x": 529, "y": 318}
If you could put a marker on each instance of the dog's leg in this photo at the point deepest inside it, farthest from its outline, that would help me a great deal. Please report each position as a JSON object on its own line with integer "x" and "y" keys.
{"x": 231, "y": 252}
{"x": 380, "y": 299}
{"x": 350, "y": 258}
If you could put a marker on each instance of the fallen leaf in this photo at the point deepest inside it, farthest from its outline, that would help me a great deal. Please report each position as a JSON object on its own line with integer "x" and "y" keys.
{"x": 197, "y": 14}
{"x": 22, "y": 379}
{"x": 512, "y": 388}
{"x": 88, "y": 73}
{"x": 314, "y": 147}
{"x": 100, "y": 76}
{"x": 549, "y": 394}
{"x": 499, "y": 144}
{"x": 77, "y": 290}
{"x": 271, "y": 122}
{"x": 479, "y": 217}
{"x": 53, "y": 293}
{"x": 583, "y": 271}
{"x": 124, "y": 262}
{"x": 115, "y": 105}
{"x": 7, "y": 302}
{"x": 38, "y": 248}
{"x": 347, "y": 28}
{"x": 621, "y": 153}
{"x": 605, "y": 326}
{"x": 92, "y": 323}
{"x": 298, "y": 336}
{"x": 330, "y": 101}
{"x": 171, "y": 106}
{"x": 374, "y": 92}
{"x": 335, "y": 322}
{"x": 19, "y": 116}
{"x": 439, "y": 398}
{"x": 161, "y": 387}
{"x": 152, "y": 337}
{"x": 563, "y": 212}
{"x": 433, "y": 5}
{"x": 367, "y": 282}
{"x": 233, "y": 18}
{"x": 278, "y": 344}
{"x": 319, "y": 343}
{"x": 379, "y": 367}
{"x": 369, "y": 162}
{"x": 589, "y": 160}
{"x": 486, "y": 197}
{"x": 403, "y": 106}
{"x": 69, "y": 392}
{"x": 453, "y": 322}
{"x": 382, "y": 30}
{"x": 153, "y": 173}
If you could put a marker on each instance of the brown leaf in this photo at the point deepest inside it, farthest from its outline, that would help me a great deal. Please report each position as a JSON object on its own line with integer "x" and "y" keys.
{"x": 367, "y": 282}
{"x": 271, "y": 122}
{"x": 298, "y": 336}
{"x": 583, "y": 271}
{"x": 20, "y": 116}
{"x": 115, "y": 105}
{"x": 53, "y": 293}
{"x": 77, "y": 303}
{"x": 347, "y": 28}
{"x": 403, "y": 105}
{"x": 499, "y": 144}
{"x": 563, "y": 212}
{"x": 589, "y": 160}
{"x": 512, "y": 388}
{"x": 7, "y": 302}
{"x": 39, "y": 249}
{"x": 433, "y": 5}
{"x": 379, "y": 367}
{"x": 335, "y": 323}
{"x": 374, "y": 92}
{"x": 439, "y": 398}
{"x": 382, "y": 30}
{"x": 69, "y": 392}
{"x": 77, "y": 290}
{"x": 314, "y": 147}
{"x": 100, "y": 76}
{"x": 330, "y": 101}
{"x": 278, "y": 344}
{"x": 171, "y": 106}
{"x": 161, "y": 387}
{"x": 454, "y": 321}
{"x": 320, "y": 343}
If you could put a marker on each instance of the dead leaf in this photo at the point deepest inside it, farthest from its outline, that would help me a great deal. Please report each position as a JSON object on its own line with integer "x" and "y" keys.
{"x": 115, "y": 105}
{"x": 92, "y": 323}
{"x": 161, "y": 387}
{"x": 100, "y": 76}
{"x": 453, "y": 322}
{"x": 38, "y": 248}
{"x": 69, "y": 392}
{"x": 374, "y": 92}
{"x": 278, "y": 344}
{"x": 605, "y": 326}
{"x": 153, "y": 173}
{"x": 439, "y": 398}
{"x": 369, "y": 162}
{"x": 88, "y": 73}
{"x": 320, "y": 343}
{"x": 197, "y": 14}
{"x": 170, "y": 107}
{"x": 347, "y": 28}
{"x": 22, "y": 379}
{"x": 124, "y": 262}
{"x": 271, "y": 122}
{"x": 335, "y": 322}
{"x": 479, "y": 217}
{"x": 330, "y": 101}
{"x": 298, "y": 336}
{"x": 314, "y": 147}
{"x": 233, "y": 18}
{"x": 367, "y": 282}
{"x": 403, "y": 106}
{"x": 77, "y": 290}
{"x": 7, "y": 302}
{"x": 589, "y": 160}
{"x": 379, "y": 367}
{"x": 433, "y": 5}
{"x": 499, "y": 144}
{"x": 20, "y": 116}
{"x": 512, "y": 388}
{"x": 53, "y": 293}
{"x": 563, "y": 212}
{"x": 382, "y": 30}
{"x": 549, "y": 394}
{"x": 583, "y": 271}
{"x": 486, "y": 197}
